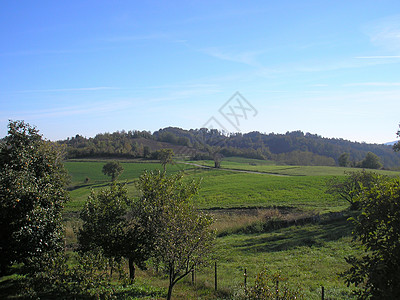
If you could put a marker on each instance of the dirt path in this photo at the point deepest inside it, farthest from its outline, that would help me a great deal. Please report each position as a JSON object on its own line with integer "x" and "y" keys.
{"x": 234, "y": 170}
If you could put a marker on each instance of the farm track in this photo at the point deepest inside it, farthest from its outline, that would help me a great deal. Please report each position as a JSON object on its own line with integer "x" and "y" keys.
{"x": 235, "y": 170}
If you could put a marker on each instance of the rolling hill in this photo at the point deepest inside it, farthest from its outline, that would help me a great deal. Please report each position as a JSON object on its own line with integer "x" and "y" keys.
{"x": 294, "y": 148}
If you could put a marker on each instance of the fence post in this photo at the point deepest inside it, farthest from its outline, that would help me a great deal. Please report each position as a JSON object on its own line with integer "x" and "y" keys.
{"x": 245, "y": 278}
{"x": 322, "y": 293}
{"x": 277, "y": 290}
{"x": 216, "y": 277}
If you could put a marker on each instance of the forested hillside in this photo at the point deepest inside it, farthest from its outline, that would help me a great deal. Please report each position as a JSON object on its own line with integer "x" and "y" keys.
{"x": 296, "y": 148}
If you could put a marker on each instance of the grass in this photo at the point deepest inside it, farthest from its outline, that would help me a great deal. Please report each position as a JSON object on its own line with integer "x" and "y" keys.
{"x": 262, "y": 166}
{"x": 79, "y": 171}
{"x": 310, "y": 255}
{"x": 229, "y": 194}
{"x": 11, "y": 287}
{"x": 222, "y": 189}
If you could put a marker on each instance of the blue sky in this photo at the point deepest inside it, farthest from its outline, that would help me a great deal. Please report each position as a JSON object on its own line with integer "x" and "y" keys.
{"x": 86, "y": 67}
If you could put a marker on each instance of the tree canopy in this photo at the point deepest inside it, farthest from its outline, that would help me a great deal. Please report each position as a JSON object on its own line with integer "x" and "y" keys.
{"x": 182, "y": 235}
{"x": 371, "y": 161}
{"x": 166, "y": 157}
{"x": 396, "y": 146}
{"x": 377, "y": 272}
{"x": 32, "y": 195}
{"x": 108, "y": 224}
{"x": 343, "y": 160}
{"x": 291, "y": 147}
{"x": 350, "y": 186}
{"x": 113, "y": 169}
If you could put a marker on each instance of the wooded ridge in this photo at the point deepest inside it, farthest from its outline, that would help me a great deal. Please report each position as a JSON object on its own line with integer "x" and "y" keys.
{"x": 294, "y": 148}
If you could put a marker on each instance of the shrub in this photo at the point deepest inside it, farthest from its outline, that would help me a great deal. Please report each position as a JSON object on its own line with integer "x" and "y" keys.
{"x": 269, "y": 285}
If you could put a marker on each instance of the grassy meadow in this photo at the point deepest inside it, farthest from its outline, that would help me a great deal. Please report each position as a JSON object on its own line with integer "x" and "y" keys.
{"x": 262, "y": 166}
{"x": 310, "y": 255}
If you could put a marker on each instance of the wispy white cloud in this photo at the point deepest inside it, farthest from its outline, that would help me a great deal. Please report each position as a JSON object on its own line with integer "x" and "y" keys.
{"x": 246, "y": 57}
{"x": 180, "y": 86}
{"x": 379, "y": 57}
{"x": 97, "y": 88}
{"x": 130, "y": 38}
{"x": 319, "y": 85}
{"x": 217, "y": 15}
{"x": 68, "y": 111}
{"x": 385, "y": 33}
{"x": 383, "y": 84}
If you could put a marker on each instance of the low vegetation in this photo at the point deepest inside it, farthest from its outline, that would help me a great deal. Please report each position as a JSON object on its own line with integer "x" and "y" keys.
{"x": 272, "y": 229}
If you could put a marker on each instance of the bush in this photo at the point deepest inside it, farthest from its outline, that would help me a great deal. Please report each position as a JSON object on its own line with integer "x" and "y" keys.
{"x": 269, "y": 285}
{"x": 88, "y": 278}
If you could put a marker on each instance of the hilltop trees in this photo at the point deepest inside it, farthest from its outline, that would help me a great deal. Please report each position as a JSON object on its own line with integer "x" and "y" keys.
{"x": 290, "y": 148}
{"x": 32, "y": 195}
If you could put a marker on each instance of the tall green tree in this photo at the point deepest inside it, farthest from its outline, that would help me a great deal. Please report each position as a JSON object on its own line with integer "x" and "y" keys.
{"x": 108, "y": 225}
{"x": 166, "y": 157}
{"x": 32, "y": 195}
{"x": 215, "y": 153}
{"x": 113, "y": 169}
{"x": 396, "y": 146}
{"x": 377, "y": 272}
{"x": 182, "y": 235}
{"x": 103, "y": 220}
{"x": 371, "y": 161}
{"x": 343, "y": 160}
{"x": 350, "y": 186}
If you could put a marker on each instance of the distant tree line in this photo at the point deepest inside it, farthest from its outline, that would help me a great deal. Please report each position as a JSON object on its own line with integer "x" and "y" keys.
{"x": 291, "y": 148}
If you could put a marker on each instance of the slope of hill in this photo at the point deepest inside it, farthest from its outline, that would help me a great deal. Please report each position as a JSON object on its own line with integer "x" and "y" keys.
{"x": 296, "y": 148}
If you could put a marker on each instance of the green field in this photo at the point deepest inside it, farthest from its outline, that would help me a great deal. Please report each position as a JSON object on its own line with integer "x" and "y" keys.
{"x": 262, "y": 166}
{"x": 92, "y": 170}
{"x": 222, "y": 189}
{"x": 310, "y": 255}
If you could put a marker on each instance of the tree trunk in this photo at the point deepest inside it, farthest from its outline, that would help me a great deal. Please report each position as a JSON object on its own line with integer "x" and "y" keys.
{"x": 131, "y": 269}
{"x": 171, "y": 284}
{"x": 170, "y": 291}
{"x": 111, "y": 262}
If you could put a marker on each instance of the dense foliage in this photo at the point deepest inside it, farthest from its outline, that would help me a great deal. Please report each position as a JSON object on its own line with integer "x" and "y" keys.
{"x": 162, "y": 224}
{"x": 377, "y": 272}
{"x": 294, "y": 148}
{"x": 32, "y": 195}
{"x": 272, "y": 286}
{"x": 55, "y": 278}
{"x": 396, "y": 146}
{"x": 371, "y": 161}
{"x": 112, "y": 169}
{"x": 166, "y": 157}
{"x": 350, "y": 187}
{"x": 107, "y": 227}
{"x": 182, "y": 235}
